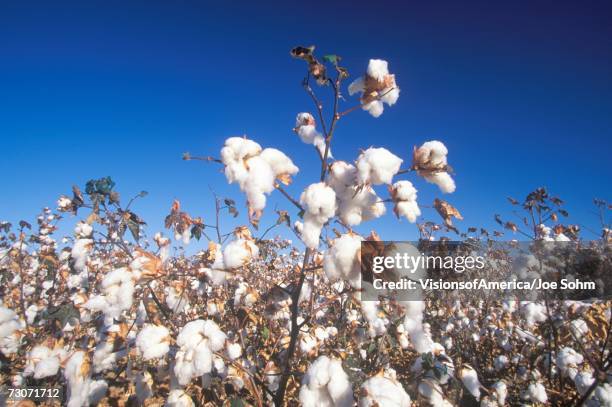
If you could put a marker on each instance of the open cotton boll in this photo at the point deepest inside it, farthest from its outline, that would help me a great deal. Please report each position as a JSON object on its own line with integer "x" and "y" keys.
{"x": 153, "y": 341}
{"x": 501, "y": 392}
{"x": 469, "y": 378}
{"x": 433, "y": 393}
{"x": 443, "y": 180}
{"x": 326, "y": 384}
{"x": 280, "y": 164}
{"x": 80, "y": 253}
{"x": 377, "y": 166}
{"x": 10, "y": 337}
{"x": 583, "y": 381}
{"x": 383, "y": 392}
{"x": 178, "y": 398}
{"x": 234, "y": 351}
{"x": 239, "y": 253}
{"x": 239, "y": 148}
{"x": 378, "y": 69}
{"x": 82, "y": 391}
{"x": 404, "y": 194}
{"x": 377, "y": 87}
{"x": 568, "y": 358}
{"x": 537, "y": 393}
{"x": 533, "y": 312}
{"x": 305, "y": 127}
{"x": 83, "y": 230}
{"x": 341, "y": 261}
{"x": 197, "y": 341}
{"x": 177, "y": 299}
{"x": 319, "y": 202}
{"x": 43, "y": 362}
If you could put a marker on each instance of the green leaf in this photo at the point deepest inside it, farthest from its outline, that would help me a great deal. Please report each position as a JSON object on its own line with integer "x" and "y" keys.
{"x": 265, "y": 333}
{"x": 332, "y": 59}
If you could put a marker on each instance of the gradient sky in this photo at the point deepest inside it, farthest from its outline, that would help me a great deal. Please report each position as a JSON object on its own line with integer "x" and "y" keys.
{"x": 520, "y": 92}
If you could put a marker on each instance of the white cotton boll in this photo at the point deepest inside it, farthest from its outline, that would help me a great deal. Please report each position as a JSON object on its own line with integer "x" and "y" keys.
{"x": 533, "y": 312}
{"x": 383, "y": 392}
{"x": 434, "y": 153}
{"x": 405, "y": 197}
{"x": 501, "y": 392}
{"x": 583, "y": 381}
{"x": 83, "y": 230}
{"x": 104, "y": 357}
{"x": 326, "y": 384}
{"x": 239, "y": 148}
{"x": 443, "y": 180}
{"x": 311, "y": 231}
{"x": 375, "y": 108}
{"x": 469, "y": 378}
{"x": 433, "y": 393}
{"x": 319, "y": 200}
{"x": 234, "y": 351}
{"x": 10, "y": 337}
{"x": 390, "y": 97}
{"x": 153, "y": 341}
{"x": 378, "y": 69}
{"x": 144, "y": 386}
{"x": 80, "y": 253}
{"x": 568, "y": 358}
{"x": 377, "y": 166}
{"x": 341, "y": 261}
{"x": 239, "y": 253}
{"x": 358, "y": 85}
{"x": 177, "y": 299}
{"x": 197, "y": 341}
{"x": 43, "y": 362}
{"x": 603, "y": 395}
{"x": 305, "y": 127}
{"x": 279, "y": 162}
{"x": 178, "y": 398}
{"x": 537, "y": 393}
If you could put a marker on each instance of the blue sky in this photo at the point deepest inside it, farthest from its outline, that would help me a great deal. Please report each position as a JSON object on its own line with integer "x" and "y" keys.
{"x": 520, "y": 92}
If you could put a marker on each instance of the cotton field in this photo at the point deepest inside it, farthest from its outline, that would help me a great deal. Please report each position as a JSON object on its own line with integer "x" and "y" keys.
{"x": 113, "y": 316}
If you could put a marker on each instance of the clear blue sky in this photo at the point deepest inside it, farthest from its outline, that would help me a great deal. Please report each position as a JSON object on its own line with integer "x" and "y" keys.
{"x": 521, "y": 93}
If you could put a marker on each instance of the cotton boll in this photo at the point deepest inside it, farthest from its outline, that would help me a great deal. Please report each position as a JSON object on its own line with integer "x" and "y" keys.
{"x": 377, "y": 166}
{"x": 533, "y": 312}
{"x": 80, "y": 253}
{"x": 239, "y": 148}
{"x": 178, "y": 398}
{"x": 197, "y": 341}
{"x": 375, "y": 108}
{"x": 83, "y": 230}
{"x": 501, "y": 392}
{"x": 153, "y": 341}
{"x": 443, "y": 180}
{"x": 378, "y": 69}
{"x": 537, "y": 393}
{"x": 43, "y": 362}
{"x": 583, "y": 381}
{"x": 280, "y": 164}
{"x": 239, "y": 253}
{"x": 82, "y": 390}
{"x": 319, "y": 200}
{"x": 177, "y": 299}
{"x": 234, "y": 351}
{"x": 376, "y": 87}
{"x": 568, "y": 358}
{"x": 433, "y": 393}
{"x": 117, "y": 294}
{"x": 404, "y": 194}
{"x": 469, "y": 378}
{"x": 326, "y": 384}
{"x": 10, "y": 337}
{"x": 143, "y": 383}
{"x": 341, "y": 261}
{"x": 383, "y": 392}
{"x": 305, "y": 127}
